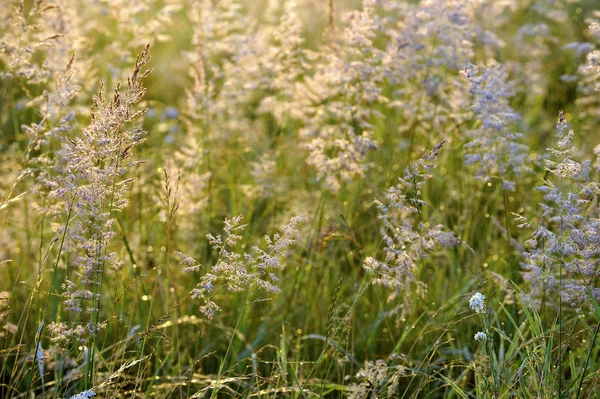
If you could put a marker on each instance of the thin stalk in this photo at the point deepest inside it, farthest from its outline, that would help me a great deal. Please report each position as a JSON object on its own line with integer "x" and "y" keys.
{"x": 98, "y": 282}
{"x": 361, "y": 290}
{"x": 54, "y": 273}
{"x": 193, "y": 365}
{"x": 560, "y": 287}
{"x": 587, "y": 361}
{"x": 222, "y": 365}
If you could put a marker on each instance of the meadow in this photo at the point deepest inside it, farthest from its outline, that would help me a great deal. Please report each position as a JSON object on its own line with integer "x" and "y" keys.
{"x": 299, "y": 199}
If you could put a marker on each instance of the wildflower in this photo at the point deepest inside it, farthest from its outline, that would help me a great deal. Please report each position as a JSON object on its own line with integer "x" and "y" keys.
{"x": 171, "y": 113}
{"x": 84, "y": 395}
{"x": 480, "y": 337}
{"x": 477, "y": 302}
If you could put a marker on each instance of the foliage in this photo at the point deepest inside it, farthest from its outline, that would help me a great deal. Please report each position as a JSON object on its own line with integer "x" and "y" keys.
{"x": 304, "y": 198}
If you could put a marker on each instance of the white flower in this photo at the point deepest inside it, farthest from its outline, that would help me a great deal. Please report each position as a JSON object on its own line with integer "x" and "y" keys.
{"x": 480, "y": 336}
{"x": 84, "y": 395}
{"x": 477, "y": 302}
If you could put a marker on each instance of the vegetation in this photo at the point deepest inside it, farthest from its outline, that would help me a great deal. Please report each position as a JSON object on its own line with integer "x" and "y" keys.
{"x": 376, "y": 199}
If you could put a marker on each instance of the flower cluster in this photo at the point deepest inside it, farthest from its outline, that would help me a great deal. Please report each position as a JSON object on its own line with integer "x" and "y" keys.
{"x": 84, "y": 395}
{"x": 564, "y": 246}
{"x": 377, "y": 377}
{"x": 480, "y": 337}
{"x": 238, "y": 272}
{"x": 91, "y": 186}
{"x": 407, "y": 239}
{"x": 6, "y": 327}
{"x": 429, "y": 42}
{"x": 589, "y": 73}
{"x": 343, "y": 94}
{"x": 493, "y": 146}
{"x": 477, "y": 302}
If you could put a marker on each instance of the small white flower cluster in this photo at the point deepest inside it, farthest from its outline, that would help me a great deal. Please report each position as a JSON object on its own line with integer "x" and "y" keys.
{"x": 480, "y": 337}
{"x": 84, "y": 395}
{"x": 477, "y": 302}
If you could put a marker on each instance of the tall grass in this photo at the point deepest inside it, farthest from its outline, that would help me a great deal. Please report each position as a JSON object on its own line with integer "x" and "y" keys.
{"x": 303, "y": 199}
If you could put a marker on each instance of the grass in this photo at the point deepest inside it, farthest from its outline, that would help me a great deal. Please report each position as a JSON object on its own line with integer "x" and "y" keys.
{"x": 127, "y": 206}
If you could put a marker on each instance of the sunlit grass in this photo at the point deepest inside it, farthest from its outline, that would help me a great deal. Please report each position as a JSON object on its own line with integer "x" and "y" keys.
{"x": 285, "y": 207}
